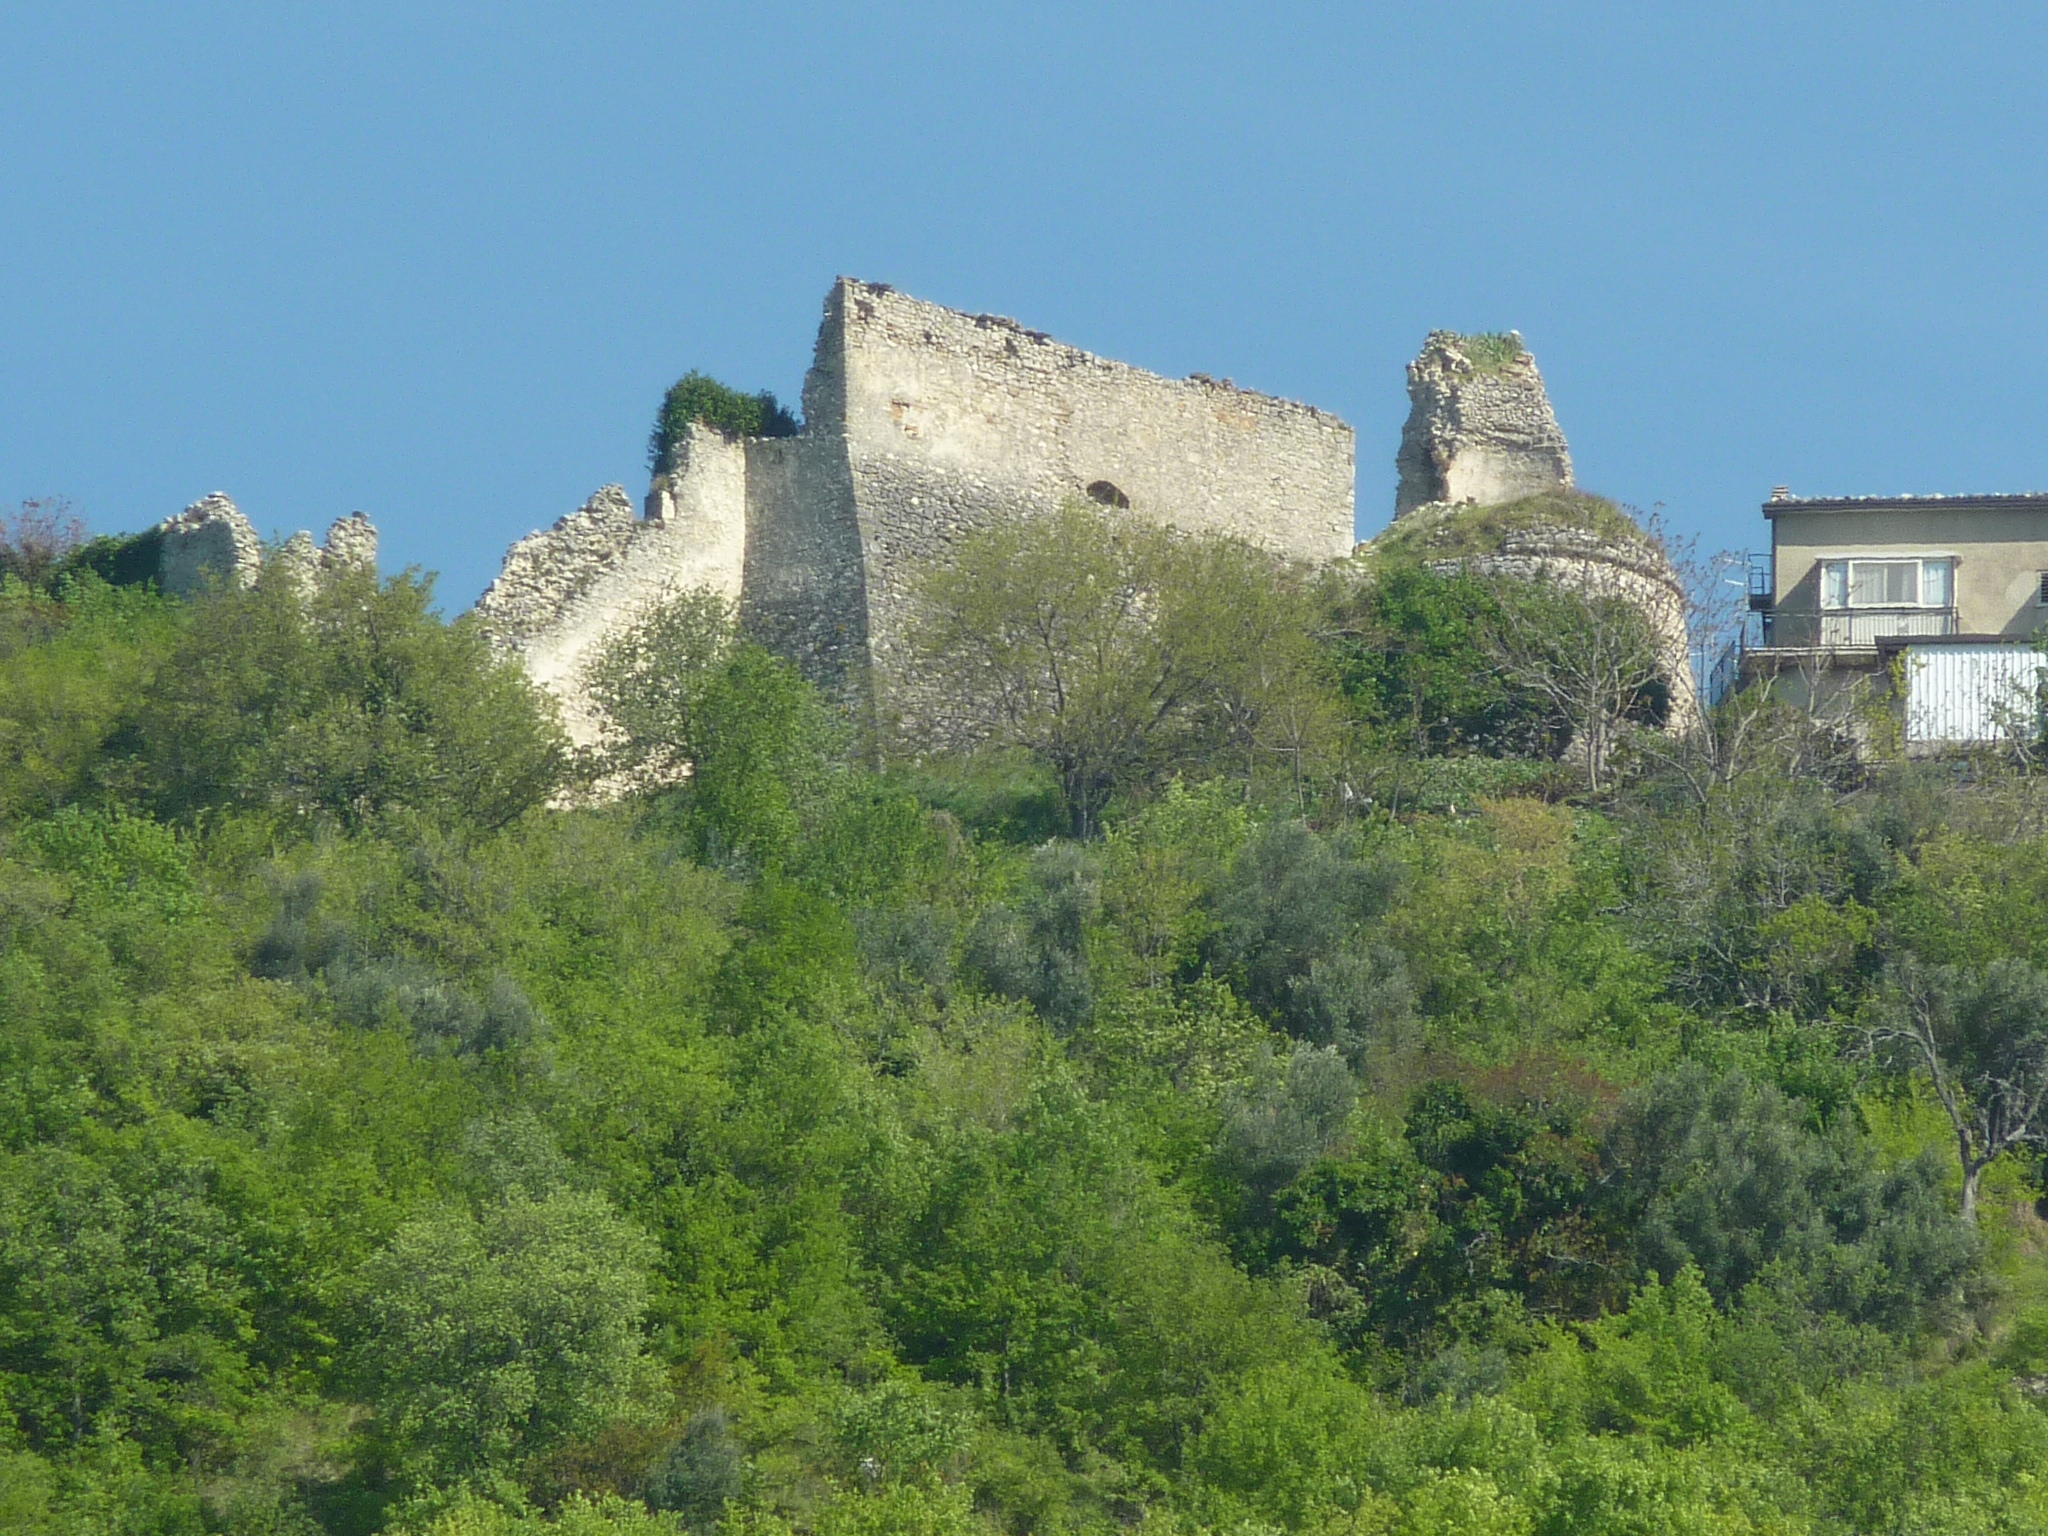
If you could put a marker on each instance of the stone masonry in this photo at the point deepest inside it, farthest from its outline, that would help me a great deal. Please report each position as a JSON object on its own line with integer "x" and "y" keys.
{"x": 211, "y": 541}
{"x": 1481, "y": 432}
{"x": 566, "y": 590}
{"x": 921, "y": 424}
{"x": 1549, "y": 545}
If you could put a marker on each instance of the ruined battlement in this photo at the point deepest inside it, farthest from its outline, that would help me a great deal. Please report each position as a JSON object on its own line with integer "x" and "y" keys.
{"x": 211, "y": 541}
{"x": 921, "y": 425}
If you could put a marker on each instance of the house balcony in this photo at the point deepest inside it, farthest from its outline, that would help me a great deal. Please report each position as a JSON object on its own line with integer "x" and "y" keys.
{"x": 1849, "y": 628}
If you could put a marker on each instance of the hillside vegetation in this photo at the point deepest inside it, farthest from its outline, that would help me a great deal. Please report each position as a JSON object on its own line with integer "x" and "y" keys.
{"x": 1261, "y": 1089}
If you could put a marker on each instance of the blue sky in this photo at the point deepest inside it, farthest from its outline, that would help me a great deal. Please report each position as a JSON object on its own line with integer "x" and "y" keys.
{"x": 439, "y": 261}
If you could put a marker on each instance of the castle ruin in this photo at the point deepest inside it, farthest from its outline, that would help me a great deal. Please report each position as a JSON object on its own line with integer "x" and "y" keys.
{"x": 1480, "y": 427}
{"x": 1486, "y": 486}
{"x": 212, "y": 541}
{"x": 921, "y": 425}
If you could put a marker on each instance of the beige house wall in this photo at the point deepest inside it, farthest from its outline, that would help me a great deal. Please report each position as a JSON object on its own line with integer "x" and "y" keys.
{"x": 2000, "y": 555}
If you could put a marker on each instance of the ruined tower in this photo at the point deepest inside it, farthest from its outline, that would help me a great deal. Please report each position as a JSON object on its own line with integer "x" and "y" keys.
{"x": 1480, "y": 427}
{"x": 1486, "y": 487}
{"x": 211, "y": 541}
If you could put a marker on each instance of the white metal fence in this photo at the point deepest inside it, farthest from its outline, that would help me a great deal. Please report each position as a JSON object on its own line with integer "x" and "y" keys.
{"x": 1973, "y": 693}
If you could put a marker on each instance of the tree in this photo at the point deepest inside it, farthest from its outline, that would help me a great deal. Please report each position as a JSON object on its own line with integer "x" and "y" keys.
{"x": 768, "y": 760}
{"x": 484, "y": 1339}
{"x": 1114, "y": 650}
{"x": 1982, "y": 1038}
{"x": 1729, "y": 1177}
{"x": 649, "y": 680}
{"x": 1040, "y": 952}
{"x": 1413, "y": 648}
{"x": 1293, "y": 931}
{"x": 345, "y": 704}
{"x": 36, "y": 537}
{"x": 1284, "y": 1120}
{"x": 1591, "y": 656}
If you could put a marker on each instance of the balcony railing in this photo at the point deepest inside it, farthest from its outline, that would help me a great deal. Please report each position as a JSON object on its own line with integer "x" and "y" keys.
{"x": 1867, "y": 626}
{"x": 1763, "y": 580}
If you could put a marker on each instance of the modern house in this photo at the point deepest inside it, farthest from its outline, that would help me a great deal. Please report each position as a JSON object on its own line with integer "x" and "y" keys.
{"x": 1928, "y": 604}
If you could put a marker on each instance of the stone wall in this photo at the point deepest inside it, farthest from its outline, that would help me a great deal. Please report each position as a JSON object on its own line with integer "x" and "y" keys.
{"x": 953, "y": 421}
{"x": 209, "y": 542}
{"x": 212, "y": 542}
{"x": 1480, "y": 431}
{"x": 1580, "y": 542}
{"x": 921, "y": 424}
{"x": 566, "y": 590}
{"x": 350, "y": 547}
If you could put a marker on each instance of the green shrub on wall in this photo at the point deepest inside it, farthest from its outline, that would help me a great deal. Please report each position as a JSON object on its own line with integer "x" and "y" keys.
{"x": 699, "y": 397}
{"x": 1491, "y": 351}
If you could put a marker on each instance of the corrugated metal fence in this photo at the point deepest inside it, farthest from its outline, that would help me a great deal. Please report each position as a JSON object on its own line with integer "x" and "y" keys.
{"x": 1972, "y": 693}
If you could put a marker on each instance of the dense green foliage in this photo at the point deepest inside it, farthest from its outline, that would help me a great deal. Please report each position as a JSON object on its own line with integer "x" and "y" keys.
{"x": 42, "y": 544}
{"x": 697, "y": 397}
{"x": 814, "y": 1147}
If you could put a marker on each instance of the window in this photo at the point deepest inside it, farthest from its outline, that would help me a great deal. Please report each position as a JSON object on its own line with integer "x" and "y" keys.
{"x": 1899, "y": 583}
{"x": 2042, "y": 596}
{"x": 1884, "y": 583}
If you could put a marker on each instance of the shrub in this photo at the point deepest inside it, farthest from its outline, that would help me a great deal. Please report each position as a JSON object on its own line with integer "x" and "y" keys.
{"x": 702, "y": 1470}
{"x": 1292, "y": 932}
{"x": 1286, "y": 1120}
{"x": 1491, "y": 351}
{"x": 1038, "y": 951}
{"x": 1725, "y": 1175}
{"x": 697, "y": 397}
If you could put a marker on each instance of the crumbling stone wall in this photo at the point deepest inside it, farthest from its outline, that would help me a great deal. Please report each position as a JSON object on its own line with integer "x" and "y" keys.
{"x": 921, "y": 424}
{"x": 350, "y": 547}
{"x": 948, "y": 422}
{"x": 212, "y": 542}
{"x": 568, "y": 589}
{"x": 1481, "y": 434}
{"x": 1478, "y": 430}
{"x": 1579, "y": 542}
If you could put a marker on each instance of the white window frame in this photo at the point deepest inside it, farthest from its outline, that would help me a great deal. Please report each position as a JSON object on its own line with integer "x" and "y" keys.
{"x": 1845, "y": 582}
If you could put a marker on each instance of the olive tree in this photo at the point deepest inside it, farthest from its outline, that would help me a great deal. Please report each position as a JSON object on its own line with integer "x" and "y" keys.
{"x": 1981, "y": 1036}
{"x": 1114, "y": 650}
{"x": 1589, "y": 655}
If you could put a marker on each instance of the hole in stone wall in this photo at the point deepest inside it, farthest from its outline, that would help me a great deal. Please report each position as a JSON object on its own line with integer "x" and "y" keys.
{"x": 1108, "y": 495}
